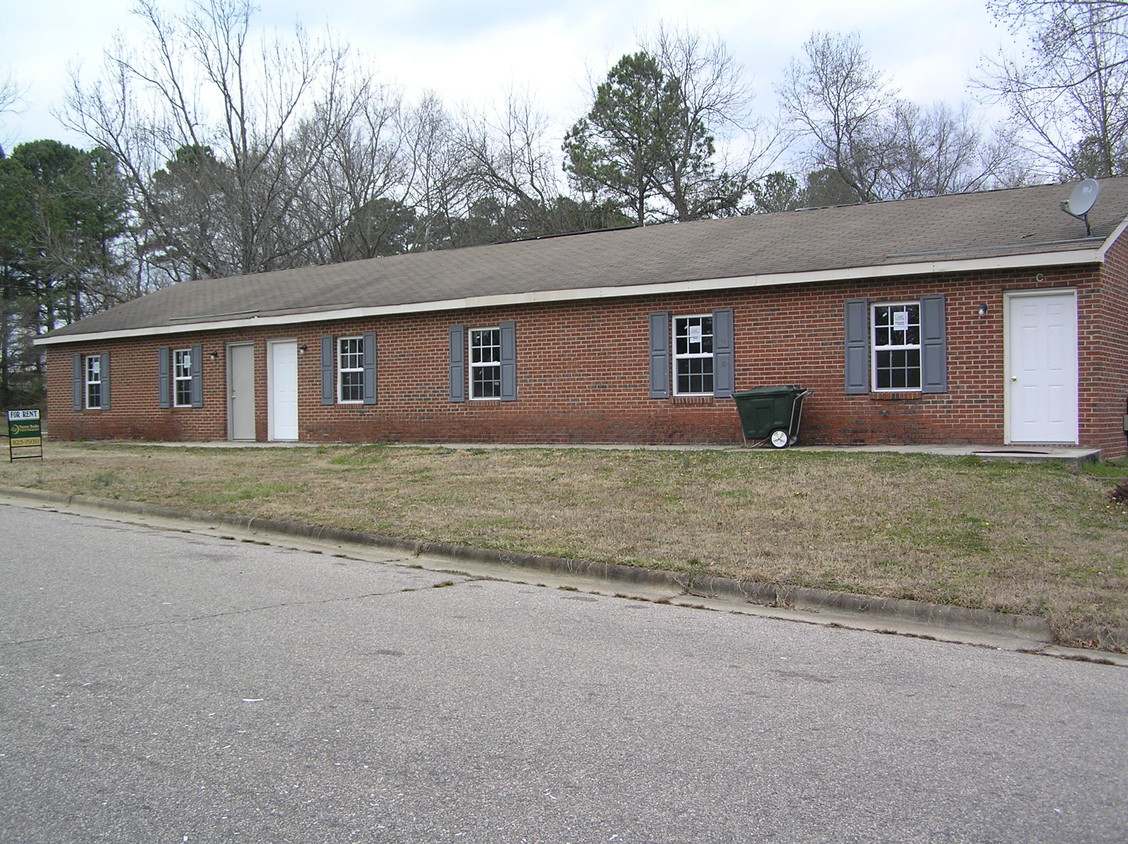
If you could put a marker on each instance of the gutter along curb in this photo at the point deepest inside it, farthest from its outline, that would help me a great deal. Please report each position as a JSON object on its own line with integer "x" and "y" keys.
{"x": 681, "y": 584}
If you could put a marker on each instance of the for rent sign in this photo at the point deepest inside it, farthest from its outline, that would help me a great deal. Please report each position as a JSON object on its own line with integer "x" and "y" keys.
{"x": 25, "y": 436}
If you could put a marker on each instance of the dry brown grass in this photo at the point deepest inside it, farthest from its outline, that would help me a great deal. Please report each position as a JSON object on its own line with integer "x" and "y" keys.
{"x": 1032, "y": 538}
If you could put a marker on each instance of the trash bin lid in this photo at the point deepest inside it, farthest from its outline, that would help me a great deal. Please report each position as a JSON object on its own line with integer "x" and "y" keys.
{"x": 769, "y": 391}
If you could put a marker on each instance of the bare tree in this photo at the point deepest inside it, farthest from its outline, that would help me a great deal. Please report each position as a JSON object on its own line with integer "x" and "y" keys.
{"x": 1026, "y": 11}
{"x": 347, "y": 202}
{"x": 715, "y": 93}
{"x": 508, "y": 158}
{"x": 259, "y": 129}
{"x": 939, "y": 150}
{"x": 877, "y": 144}
{"x": 436, "y": 181}
{"x": 836, "y": 99}
{"x": 10, "y": 94}
{"x": 1068, "y": 91}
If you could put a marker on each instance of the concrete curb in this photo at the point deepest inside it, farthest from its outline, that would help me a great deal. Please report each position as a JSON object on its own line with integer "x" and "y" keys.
{"x": 692, "y": 585}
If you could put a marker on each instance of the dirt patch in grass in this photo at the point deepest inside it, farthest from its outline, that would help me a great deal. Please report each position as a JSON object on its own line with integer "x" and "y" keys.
{"x": 1025, "y": 538}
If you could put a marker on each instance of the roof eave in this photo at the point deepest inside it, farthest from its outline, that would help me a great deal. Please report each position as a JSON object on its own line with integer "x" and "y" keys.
{"x": 1094, "y": 255}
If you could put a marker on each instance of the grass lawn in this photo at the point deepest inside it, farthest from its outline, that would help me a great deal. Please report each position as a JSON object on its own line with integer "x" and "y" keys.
{"x": 1034, "y": 538}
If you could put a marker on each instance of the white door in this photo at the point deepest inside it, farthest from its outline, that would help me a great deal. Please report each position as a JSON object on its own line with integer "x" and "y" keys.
{"x": 241, "y": 392}
{"x": 1041, "y": 377}
{"x": 282, "y": 390}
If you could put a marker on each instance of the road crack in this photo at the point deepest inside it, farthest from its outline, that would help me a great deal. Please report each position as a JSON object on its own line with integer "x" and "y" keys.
{"x": 124, "y": 628}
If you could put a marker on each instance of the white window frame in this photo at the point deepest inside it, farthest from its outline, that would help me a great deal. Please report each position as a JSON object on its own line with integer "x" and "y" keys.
{"x": 92, "y": 378}
{"x": 354, "y": 356}
{"x": 476, "y": 366}
{"x": 678, "y": 356}
{"x": 876, "y": 350}
{"x": 182, "y": 376}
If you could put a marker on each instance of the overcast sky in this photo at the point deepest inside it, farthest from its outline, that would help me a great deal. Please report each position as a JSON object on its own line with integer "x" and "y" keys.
{"x": 473, "y": 53}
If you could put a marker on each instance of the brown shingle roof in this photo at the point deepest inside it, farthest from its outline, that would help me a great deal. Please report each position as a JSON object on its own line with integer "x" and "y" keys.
{"x": 961, "y": 227}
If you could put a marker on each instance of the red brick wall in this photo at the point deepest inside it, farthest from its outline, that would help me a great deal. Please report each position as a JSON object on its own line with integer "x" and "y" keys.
{"x": 582, "y": 371}
{"x": 1104, "y": 372}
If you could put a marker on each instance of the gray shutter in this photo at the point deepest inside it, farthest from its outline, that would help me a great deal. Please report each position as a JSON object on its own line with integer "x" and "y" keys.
{"x": 857, "y": 347}
{"x": 78, "y": 381}
{"x": 457, "y": 363}
{"x": 328, "y": 367}
{"x": 933, "y": 345}
{"x": 164, "y": 388}
{"x": 722, "y": 353}
{"x": 196, "y": 388}
{"x": 660, "y": 355}
{"x": 370, "y": 368}
{"x": 105, "y": 380}
{"x": 508, "y": 331}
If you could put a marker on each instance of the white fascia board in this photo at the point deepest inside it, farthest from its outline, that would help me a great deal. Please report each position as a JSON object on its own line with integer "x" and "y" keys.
{"x": 1111, "y": 239}
{"x": 1011, "y": 262}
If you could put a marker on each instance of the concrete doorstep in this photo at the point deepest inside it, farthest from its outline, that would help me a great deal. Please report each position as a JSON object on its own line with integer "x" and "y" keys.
{"x": 944, "y": 623}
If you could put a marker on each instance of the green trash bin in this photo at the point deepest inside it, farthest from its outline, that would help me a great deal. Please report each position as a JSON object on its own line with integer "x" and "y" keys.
{"x": 771, "y": 414}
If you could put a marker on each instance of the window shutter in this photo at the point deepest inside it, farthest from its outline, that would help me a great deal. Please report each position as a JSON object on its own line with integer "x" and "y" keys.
{"x": 328, "y": 367}
{"x": 105, "y": 380}
{"x": 196, "y": 389}
{"x": 660, "y": 355}
{"x": 457, "y": 363}
{"x": 164, "y": 388}
{"x": 723, "y": 353}
{"x": 933, "y": 345}
{"x": 508, "y": 331}
{"x": 857, "y": 346}
{"x": 370, "y": 368}
{"x": 78, "y": 381}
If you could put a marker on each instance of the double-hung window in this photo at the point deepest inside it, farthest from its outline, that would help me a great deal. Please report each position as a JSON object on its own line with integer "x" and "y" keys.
{"x": 693, "y": 356}
{"x": 93, "y": 381}
{"x": 896, "y": 347}
{"x": 182, "y": 378}
{"x": 90, "y": 381}
{"x": 350, "y": 370}
{"x": 485, "y": 363}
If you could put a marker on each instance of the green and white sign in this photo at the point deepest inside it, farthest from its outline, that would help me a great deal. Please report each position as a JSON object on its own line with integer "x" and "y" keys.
{"x": 25, "y": 435}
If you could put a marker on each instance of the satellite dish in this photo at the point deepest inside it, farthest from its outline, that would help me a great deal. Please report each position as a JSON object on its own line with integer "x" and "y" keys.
{"x": 1081, "y": 201}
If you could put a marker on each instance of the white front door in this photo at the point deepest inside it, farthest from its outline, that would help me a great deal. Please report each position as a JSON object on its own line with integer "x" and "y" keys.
{"x": 1041, "y": 376}
{"x": 282, "y": 390}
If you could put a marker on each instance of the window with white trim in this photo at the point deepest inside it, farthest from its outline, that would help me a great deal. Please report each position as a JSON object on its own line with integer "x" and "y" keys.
{"x": 182, "y": 378}
{"x": 896, "y": 346}
{"x": 92, "y": 366}
{"x": 693, "y": 355}
{"x": 350, "y": 370}
{"x": 485, "y": 363}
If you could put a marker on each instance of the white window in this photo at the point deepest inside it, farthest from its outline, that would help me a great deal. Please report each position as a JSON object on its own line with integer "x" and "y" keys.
{"x": 350, "y": 370}
{"x": 93, "y": 368}
{"x": 896, "y": 346}
{"x": 693, "y": 356}
{"x": 485, "y": 363}
{"x": 182, "y": 378}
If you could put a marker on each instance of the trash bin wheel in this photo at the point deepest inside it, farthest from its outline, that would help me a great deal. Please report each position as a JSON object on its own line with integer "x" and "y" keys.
{"x": 779, "y": 438}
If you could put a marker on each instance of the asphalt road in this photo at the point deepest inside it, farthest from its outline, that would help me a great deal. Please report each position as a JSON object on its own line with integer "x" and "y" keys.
{"x": 162, "y": 686}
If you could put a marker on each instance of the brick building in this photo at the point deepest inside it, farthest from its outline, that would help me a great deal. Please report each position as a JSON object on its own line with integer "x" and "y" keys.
{"x": 989, "y": 318}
